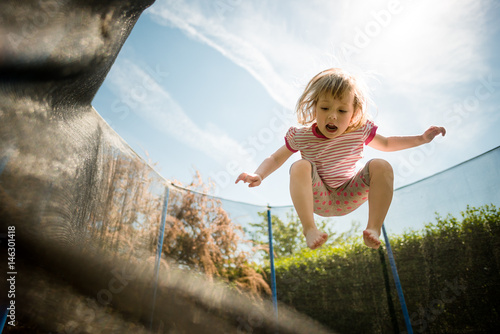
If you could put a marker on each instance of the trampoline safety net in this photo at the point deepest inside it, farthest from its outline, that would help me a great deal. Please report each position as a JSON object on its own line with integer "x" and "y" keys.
{"x": 94, "y": 240}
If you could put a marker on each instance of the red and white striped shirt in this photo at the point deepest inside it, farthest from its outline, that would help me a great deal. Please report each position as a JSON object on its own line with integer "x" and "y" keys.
{"x": 336, "y": 158}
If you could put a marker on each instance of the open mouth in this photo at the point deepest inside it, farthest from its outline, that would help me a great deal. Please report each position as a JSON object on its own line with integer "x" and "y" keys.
{"x": 331, "y": 128}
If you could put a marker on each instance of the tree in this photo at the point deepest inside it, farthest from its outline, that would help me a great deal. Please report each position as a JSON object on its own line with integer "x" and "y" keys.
{"x": 288, "y": 238}
{"x": 201, "y": 236}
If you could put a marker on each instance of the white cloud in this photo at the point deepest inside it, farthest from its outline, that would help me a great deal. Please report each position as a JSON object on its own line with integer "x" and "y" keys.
{"x": 431, "y": 43}
{"x": 142, "y": 94}
{"x": 420, "y": 50}
{"x": 241, "y": 35}
{"x": 282, "y": 45}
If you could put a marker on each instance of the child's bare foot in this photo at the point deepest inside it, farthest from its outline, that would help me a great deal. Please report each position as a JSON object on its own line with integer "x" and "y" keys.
{"x": 315, "y": 238}
{"x": 371, "y": 238}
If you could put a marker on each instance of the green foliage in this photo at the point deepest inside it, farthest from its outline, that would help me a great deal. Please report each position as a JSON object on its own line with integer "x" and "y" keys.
{"x": 288, "y": 238}
{"x": 450, "y": 273}
{"x": 286, "y": 235}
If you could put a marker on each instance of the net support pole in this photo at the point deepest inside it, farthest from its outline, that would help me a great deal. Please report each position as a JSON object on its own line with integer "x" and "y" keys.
{"x": 271, "y": 257}
{"x": 390, "y": 304}
{"x": 159, "y": 250}
{"x": 399, "y": 289}
{"x": 4, "y": 318}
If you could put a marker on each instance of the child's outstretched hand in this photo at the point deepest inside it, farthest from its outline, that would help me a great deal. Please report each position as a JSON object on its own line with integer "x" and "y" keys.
{"x": 432, "y": 132}
{"x": 253, "y": 179}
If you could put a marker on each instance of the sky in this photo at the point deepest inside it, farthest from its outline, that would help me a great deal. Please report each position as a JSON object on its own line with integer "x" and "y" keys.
{"x": 211, "y": 86}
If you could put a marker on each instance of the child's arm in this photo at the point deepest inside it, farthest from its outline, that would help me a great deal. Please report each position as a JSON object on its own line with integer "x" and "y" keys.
{"x": 390, "y": 144}
{"x": 268, "y": 166}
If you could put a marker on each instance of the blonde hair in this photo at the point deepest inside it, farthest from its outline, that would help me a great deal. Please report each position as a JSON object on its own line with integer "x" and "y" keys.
{"x": 336, "y": 83}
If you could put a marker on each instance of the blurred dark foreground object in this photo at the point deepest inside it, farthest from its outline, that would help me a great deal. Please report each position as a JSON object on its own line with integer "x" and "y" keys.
{"x": 73, "y": 272}
{"x": 65, "y": 290}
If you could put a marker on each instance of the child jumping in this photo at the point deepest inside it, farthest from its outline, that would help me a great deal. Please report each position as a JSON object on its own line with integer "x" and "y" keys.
{"x": 335, "y": 128}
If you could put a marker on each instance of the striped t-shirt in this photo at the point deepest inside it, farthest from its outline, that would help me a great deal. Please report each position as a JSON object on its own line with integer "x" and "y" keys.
{"x": 336, "y": 158}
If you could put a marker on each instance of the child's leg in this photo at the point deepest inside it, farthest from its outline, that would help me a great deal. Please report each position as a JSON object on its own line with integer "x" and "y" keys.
{"x": 302, "y": 198}
{"x": 379, "y": 200}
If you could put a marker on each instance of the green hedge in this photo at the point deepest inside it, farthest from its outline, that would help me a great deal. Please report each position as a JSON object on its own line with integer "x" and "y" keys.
{"x": 449, "y": 273}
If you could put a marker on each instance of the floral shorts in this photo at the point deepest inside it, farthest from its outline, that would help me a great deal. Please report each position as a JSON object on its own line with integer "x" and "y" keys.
{"x": 340, "y": 201}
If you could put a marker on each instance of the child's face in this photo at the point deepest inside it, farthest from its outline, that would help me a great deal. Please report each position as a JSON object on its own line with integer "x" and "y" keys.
{"x": 334, "y": 116}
